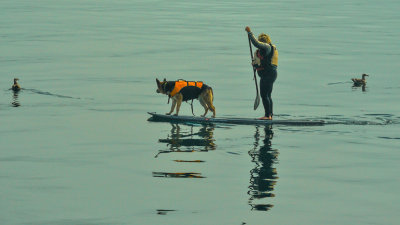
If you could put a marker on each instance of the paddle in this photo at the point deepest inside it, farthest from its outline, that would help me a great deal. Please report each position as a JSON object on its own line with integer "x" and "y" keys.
{"x": 257, "y": 100}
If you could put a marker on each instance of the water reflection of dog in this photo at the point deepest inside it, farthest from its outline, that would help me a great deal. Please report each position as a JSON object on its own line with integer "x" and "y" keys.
{"x": 188, "y": 141}
{"x": 263, "y": 177}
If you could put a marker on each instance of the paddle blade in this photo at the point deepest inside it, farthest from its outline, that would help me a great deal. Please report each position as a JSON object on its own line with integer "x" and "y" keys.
{"x": 257, "y": 102}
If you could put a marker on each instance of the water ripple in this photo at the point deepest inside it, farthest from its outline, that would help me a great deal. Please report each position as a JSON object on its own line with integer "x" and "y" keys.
{"x": 365, "y": 119}
{"x": 390, "y": 138}
{"x": 48, "y": 93}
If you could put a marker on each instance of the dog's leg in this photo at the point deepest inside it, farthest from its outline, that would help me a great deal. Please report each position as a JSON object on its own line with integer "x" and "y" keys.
{"x": 211, "y": 107}
{"x": 172, "y": 107}
{"x": 179, "y": 98}
{"x": 204, "y": 104}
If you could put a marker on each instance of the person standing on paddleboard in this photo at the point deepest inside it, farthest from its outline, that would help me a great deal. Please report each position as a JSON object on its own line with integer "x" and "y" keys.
{"x": 265, "y": 61}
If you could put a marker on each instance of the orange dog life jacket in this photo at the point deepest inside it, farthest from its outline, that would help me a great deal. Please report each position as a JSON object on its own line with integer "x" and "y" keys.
{"x": 179, "y": 84}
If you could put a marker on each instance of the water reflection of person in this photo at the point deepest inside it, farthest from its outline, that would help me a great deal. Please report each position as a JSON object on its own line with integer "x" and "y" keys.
{"x": 263, "y": 177}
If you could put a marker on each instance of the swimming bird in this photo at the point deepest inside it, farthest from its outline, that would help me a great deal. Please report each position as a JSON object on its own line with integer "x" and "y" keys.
{"x": 16, "y": 86}
{"x": 359, "y": 82}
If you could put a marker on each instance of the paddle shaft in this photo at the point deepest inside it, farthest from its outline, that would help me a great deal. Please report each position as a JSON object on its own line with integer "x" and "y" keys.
{"x": 257, "y": 101}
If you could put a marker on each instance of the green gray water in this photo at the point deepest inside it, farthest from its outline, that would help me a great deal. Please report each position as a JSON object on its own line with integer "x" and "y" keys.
{"x": 78, "y": 149}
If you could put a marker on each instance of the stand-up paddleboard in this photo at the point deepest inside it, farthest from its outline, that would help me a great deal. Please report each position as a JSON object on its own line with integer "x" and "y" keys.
{"x": 245, "y": 121}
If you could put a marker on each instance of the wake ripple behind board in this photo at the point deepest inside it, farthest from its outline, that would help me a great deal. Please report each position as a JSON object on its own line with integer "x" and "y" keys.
{"x": 48, "y": 93}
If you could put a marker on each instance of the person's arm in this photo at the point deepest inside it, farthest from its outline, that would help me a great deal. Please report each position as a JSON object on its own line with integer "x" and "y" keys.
{"x": 258, "y": 44}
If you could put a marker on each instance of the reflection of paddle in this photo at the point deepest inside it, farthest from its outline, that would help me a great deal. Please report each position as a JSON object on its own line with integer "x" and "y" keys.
{"x": 257, "y": 101}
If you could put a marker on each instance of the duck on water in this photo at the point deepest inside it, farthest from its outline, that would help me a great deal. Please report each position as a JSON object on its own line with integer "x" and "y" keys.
{"x": 16, "y": 86}
{"x": 360, "y": 82}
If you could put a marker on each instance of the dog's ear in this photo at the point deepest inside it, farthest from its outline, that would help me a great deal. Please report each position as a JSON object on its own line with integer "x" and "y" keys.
{"x": 158, "y": 84}
{"x": 165, "y": 79}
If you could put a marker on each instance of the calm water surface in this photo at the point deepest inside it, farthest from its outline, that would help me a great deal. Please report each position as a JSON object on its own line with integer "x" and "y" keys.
{"x": 76, "y": 146}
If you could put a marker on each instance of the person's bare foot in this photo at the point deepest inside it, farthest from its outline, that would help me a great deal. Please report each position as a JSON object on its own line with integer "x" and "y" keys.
{"x": 265, "y": 118}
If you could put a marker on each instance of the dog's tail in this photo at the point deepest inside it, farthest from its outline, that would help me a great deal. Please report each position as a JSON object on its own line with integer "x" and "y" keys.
{"x": 211, "y": 93}
{"x": 211, "y": 104}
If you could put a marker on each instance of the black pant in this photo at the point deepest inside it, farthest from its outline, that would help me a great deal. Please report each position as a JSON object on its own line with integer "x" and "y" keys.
{"x": 267, "y": 80}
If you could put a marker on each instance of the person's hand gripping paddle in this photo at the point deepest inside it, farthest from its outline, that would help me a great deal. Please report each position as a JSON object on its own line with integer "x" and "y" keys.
{"x": 257, "y": 100}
